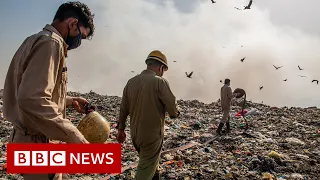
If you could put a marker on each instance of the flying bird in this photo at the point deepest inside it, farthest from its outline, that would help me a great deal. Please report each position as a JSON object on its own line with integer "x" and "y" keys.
{"x": 243, "y": 59}
{"x": 132, "y": 71}
{"x": 300, "y": 68}
{"x": 249, "y": 5}
{"x": 315, "y": 81}
{"x": 302, "y": 76}
{"x": 261, "y": 87}
{"x": 285, "y": 80}
{"x": 174, "y": 61}
{"x": 189, "y": 75}
{"x": 245, "y": 7}
{"x": 213, "y": 1}
{"x": 277, "y": 67}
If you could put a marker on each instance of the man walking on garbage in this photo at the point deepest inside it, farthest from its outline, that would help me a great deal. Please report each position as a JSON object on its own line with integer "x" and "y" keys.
{"x": 146, "y": 98}
{"x": 226, "y": 97}
{"x": 35, "y": 88}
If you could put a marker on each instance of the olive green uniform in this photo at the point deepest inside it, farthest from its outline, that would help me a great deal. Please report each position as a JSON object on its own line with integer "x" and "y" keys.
{"x": 146, "y": 98}
{"x": 34, "y": 98}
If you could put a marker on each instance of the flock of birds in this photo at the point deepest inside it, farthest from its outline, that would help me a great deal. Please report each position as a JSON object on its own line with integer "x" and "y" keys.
{"x": 315, "y": 80}
{"x": 189, "y": 75}
{"x": 261, "y": 87}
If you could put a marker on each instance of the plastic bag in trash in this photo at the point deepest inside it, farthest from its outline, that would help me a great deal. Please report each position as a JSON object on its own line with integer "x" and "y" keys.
{"x": 253, "y": 111}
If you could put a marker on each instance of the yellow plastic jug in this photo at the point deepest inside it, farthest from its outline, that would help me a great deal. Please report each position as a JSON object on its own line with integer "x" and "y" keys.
{"x": 94, "y": 127}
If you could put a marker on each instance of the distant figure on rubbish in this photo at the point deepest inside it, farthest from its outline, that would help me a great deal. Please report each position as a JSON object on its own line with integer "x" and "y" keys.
{"x": 146, "y": 98}
{"x": 34, "y": 97}
{"x": 226, "y": 97}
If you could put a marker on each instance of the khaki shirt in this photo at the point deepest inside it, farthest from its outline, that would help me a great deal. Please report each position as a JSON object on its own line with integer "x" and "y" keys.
{"x": 146, "y": 98}
{"x": 226, "y": 96}
{"x": 35, "y": 88}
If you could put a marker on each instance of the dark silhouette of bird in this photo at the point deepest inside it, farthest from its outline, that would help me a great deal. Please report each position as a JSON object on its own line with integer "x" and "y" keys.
{"x": 132, "y": 71}
{"x": 315, "y": 81}
{"x": 243, "y": 59}
{"x": 285, "y": 80}
{"x": 238, "y": 8}
{"x": 302, "y": 76}
{"x": 213, "y": 1}
{"x": 189, "y": 75}
{"x": 174, "y": 61}
{"x": 277, "y": 67}
{"x": 261, "y": 87}
{"x": 249, "y": 5}
{"x": 300, "y": 68}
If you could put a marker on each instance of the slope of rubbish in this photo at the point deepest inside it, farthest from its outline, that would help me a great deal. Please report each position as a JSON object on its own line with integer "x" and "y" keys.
{"x": 281, "y": 143}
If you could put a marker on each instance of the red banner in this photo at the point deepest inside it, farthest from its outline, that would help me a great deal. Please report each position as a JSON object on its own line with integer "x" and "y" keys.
{"x": 63, "y": 158}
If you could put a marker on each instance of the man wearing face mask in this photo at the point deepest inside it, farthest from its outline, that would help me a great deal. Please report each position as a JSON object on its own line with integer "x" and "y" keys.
{"x": 146, "y": 98}
{"x": 35, "y": 88}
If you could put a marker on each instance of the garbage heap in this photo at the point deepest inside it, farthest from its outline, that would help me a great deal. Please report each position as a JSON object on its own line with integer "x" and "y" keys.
{"x": 281, "y": 143}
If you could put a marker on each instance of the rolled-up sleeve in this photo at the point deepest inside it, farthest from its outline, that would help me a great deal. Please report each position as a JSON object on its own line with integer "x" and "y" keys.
{"x": 124, "y": 109}
{"x": 35, "y": 93}
{"x": 168, "y": 99}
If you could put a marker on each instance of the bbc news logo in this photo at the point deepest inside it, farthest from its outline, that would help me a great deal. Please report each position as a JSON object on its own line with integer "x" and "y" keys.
{"x": 64, "y": 158}
{"x": 39, "y": 158}
{"x": 58, "y": 158}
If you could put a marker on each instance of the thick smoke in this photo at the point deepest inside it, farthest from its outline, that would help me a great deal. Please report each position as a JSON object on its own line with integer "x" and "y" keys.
{"x": 202, "y": 37}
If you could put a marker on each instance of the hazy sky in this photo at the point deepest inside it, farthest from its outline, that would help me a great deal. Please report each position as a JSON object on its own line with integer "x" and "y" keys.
{"x": 193, "y": 33}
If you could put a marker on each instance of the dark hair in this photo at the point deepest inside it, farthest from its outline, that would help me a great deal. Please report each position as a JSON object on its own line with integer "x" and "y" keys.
{"x": 77, "y": 10}
{"x": 226, "y": 81}
{"x": 153, "y": 62}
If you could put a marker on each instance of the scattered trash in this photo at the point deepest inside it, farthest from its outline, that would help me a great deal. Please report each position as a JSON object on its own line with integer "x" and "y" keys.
{"x": 281, "y": 143}
{"x": 252, "y": 111}
{"x": 267, "y": 176}
{"x": 294, "y": 141}
{"x": 296, "y": 176}
{"x": 276, "y": 156}
{"x": 239, "y": 114}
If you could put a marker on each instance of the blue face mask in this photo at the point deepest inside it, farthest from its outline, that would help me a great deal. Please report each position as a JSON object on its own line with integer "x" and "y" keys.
{"x": 74, "y": 41}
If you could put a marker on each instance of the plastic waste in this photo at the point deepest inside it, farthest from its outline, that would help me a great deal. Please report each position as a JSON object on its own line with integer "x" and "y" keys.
{"x": 252, "y": 111}
{"x": 239, "y": 114}
{"x": 267, "y": 176}
{"x": 294, "y": 141}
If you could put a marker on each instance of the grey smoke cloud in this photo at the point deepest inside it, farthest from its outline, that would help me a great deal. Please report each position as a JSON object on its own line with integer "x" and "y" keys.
{"x": 192, "y": 33}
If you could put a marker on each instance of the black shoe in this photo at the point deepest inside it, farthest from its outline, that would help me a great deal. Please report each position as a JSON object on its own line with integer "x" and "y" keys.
{"x": 220, "y": 129}
{"x": 156, "y": 176}
{"x": 228, "y": 127}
